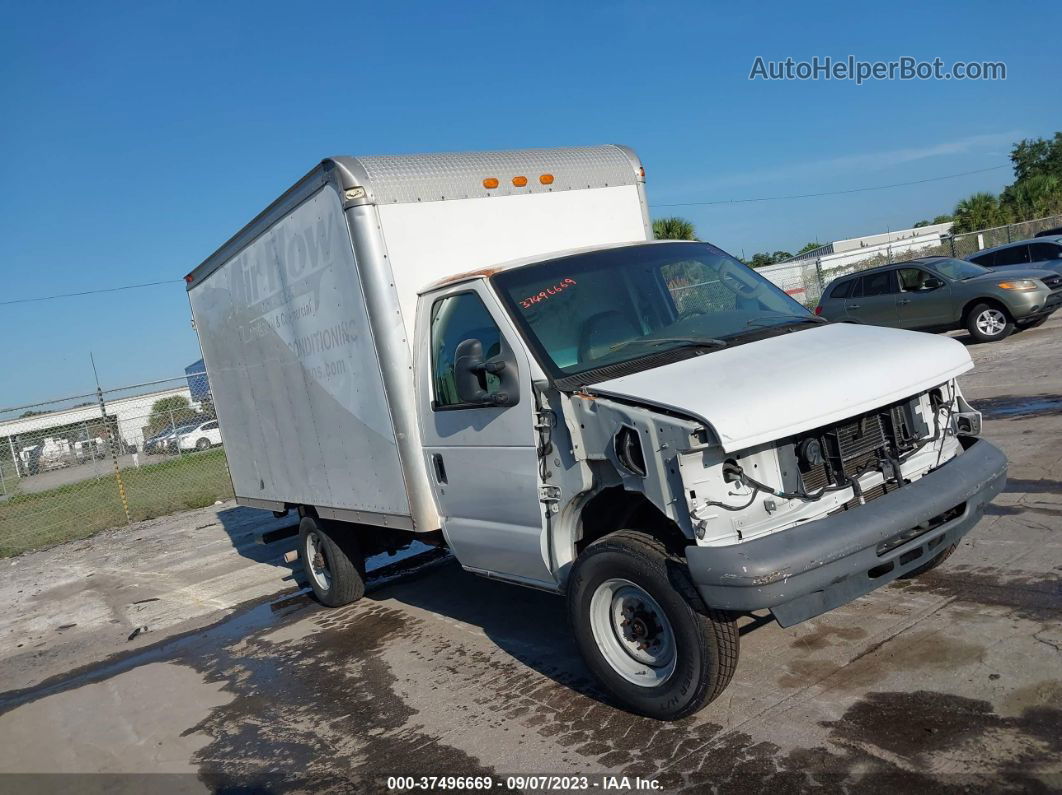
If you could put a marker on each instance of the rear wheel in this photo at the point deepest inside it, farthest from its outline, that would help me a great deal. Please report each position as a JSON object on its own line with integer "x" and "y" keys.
{"x": 989, "y": 323}
{"x": 332, "y": 561}
{"x": 202, "y": 444}
{"x": 643, "y": 630}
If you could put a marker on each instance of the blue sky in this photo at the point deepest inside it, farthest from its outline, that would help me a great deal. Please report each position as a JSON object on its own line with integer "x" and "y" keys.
{"x": 137, "y": 137}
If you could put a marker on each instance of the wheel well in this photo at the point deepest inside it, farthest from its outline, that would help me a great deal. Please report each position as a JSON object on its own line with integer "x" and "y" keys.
{"x": 993, "y": 302}
{"x": 615, "y": 509}
{"x": 371, "y": 540}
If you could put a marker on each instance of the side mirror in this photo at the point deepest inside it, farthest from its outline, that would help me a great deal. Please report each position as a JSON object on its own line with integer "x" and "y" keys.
{"x": 932, "y": 283}
{"x": 470, "y": 372}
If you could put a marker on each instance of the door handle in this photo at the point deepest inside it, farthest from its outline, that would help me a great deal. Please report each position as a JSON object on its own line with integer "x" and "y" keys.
{"x": 853, "y": 306}
{"x": 903, "y": 301}
{"x": 440, "y": 467}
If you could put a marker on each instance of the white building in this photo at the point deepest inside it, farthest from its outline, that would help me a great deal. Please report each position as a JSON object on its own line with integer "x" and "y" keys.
{"x": 130, "y": 413}
{"x": 903, "y": 243}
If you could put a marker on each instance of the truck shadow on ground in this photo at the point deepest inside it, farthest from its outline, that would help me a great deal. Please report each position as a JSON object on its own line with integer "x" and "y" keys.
{"x": 528, "y": 625}
{"x": 258, "y": 536}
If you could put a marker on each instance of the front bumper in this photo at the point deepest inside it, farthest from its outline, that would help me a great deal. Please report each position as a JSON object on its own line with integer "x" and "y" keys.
{"x": 809, "y": 569}
{"x": 1052, "y": 304}
{"x": 1045, "y": 303}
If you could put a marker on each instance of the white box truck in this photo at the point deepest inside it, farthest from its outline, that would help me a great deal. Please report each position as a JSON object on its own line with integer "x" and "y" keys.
{"x": 487, "y": 351}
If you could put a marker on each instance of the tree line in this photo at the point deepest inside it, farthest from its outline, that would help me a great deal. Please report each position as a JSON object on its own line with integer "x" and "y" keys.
{"x": 1036, "y": 191}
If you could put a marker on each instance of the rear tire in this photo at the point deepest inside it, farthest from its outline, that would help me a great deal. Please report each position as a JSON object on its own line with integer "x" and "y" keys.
{"x": 332, "y": 562}
{"x": 643, "y": 630}
{"x": 940, "y": 558}
{"x": 989, "y": 323}
{"x": 202, "y": 444}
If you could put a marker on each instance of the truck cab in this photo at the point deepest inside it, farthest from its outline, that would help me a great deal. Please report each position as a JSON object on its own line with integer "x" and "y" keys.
{"x": 668, "y": 394}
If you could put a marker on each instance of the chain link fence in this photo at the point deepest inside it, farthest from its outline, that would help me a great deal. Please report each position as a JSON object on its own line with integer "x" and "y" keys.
{"x": 805, "y": 278}
{"x": 72, "y": 467}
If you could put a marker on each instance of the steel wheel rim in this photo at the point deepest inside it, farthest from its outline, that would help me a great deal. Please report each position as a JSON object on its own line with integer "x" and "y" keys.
{"x": 317, "y": 561}
{"x": 991, "y": 322}
{"x": 633, "y": 633}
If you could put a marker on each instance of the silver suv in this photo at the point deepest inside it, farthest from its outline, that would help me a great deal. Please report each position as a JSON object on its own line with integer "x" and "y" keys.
{"x": 940, "y": 294}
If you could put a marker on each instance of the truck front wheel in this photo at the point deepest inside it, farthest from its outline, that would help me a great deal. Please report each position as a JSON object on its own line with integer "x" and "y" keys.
{"x": 932, "y": 564}
{"x": 643, "y": 630}
{"x": 332, "y": 561}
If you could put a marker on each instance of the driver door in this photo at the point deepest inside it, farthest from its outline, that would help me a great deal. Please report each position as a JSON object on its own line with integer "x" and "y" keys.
{"x": 482, "y": 459}
{"x": 924, "y": 301}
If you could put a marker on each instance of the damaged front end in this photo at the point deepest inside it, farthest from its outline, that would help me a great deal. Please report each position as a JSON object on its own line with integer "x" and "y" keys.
{"x": 810, "y": 522}
{"x": 774, "y": 486}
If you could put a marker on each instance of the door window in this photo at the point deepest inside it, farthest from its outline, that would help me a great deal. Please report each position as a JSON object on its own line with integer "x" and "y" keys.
{"x": 986, "y": 260}
{"x": 913, "y": 280}
{"x": 843, "y": 289}
{"x": 455, "y": 319}
{"x": 1039, "y": 252}
{"x": 881, "y": 283}
{"x": 1016, "y": 255}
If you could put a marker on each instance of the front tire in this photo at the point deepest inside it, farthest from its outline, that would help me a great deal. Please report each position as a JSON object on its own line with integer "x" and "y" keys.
{"x": 932, "y": 564}
{"x": 643, "y": 630}
{"x": 332, "y": 562}
{"x": 989, "y": 323}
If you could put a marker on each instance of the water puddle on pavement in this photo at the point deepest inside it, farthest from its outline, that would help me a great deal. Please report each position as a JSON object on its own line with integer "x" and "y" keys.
{"x": 1018, "y": 407}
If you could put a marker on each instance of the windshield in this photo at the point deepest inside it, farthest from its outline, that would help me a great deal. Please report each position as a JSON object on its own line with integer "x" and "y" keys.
{"x": 608, "y": 307}
{"x": 958, "y": 268}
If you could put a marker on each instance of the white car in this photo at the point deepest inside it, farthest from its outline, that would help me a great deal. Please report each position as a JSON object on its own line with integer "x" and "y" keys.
{"x": 202, "y": 437}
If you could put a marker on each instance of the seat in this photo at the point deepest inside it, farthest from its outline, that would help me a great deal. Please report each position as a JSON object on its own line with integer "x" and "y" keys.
{"x": 603, "y": 330}
{"x": 911, "y": 280}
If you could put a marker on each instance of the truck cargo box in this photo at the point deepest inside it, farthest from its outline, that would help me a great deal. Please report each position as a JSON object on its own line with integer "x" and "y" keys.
{"x": 306, "y": 316}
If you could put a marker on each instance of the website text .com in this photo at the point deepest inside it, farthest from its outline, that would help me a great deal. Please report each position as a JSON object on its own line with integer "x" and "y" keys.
{"x": 851, "y": 68}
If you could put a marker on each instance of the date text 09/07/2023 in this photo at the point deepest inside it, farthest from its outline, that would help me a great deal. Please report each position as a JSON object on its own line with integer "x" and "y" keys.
{"x": 521, "y": 783}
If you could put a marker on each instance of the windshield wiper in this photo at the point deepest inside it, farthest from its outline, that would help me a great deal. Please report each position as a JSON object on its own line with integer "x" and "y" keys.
{"x": 682, "y": 342}
{"x": 787, "y": 319}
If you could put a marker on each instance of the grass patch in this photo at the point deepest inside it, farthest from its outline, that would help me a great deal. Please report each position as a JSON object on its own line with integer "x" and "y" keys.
{"x": 78, "y": 510}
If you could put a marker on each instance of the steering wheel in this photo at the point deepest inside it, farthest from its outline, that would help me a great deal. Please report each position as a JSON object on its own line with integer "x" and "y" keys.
{"x": 738, "y": 286}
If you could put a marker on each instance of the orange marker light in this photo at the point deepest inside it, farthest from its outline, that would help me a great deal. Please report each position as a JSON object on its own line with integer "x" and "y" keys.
{"x": 546, "y": 179}
{"x": 189, "y": 278}
{"x": 490, "y": 183}
{"x": 519, "y": 181}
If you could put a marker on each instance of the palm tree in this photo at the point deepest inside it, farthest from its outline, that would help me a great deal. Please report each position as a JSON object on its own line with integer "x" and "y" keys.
{"x": 673, "y": 228}
{"x": 979, "y": 211}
